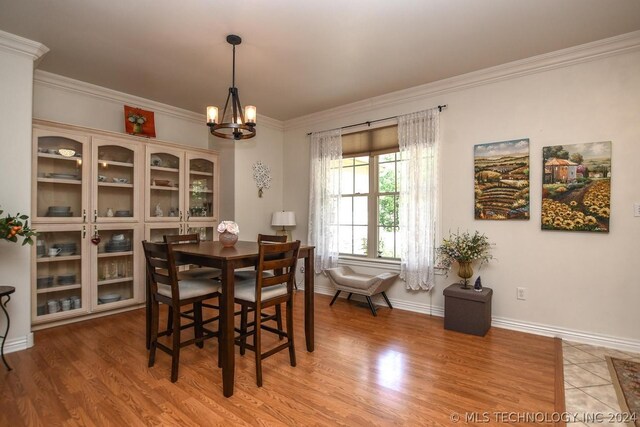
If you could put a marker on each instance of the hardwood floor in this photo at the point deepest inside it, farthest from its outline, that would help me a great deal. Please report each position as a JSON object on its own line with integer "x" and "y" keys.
{"x": 399, "y": 368}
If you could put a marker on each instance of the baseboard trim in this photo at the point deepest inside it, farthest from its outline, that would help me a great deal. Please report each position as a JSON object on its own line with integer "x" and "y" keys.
{"x": 19, "y": 343}
{"x": 582, "y": 337}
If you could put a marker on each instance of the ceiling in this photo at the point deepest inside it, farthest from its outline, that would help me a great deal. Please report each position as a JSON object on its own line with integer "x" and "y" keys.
{"x": 298, "y": 57}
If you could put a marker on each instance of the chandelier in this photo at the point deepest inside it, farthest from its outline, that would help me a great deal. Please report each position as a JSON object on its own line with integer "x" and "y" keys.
{"x": 235, "y": 123}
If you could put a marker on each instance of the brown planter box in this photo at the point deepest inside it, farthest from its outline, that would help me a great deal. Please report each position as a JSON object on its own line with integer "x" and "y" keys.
{"x": 466, "y": 310}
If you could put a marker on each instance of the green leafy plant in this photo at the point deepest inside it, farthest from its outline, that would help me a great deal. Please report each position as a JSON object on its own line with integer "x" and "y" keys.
{"x": 14, "y": 226}
{"x": 462, "y": 247}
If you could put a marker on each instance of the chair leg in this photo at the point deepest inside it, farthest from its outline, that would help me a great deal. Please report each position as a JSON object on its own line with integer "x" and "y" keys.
{"x": 279, "y": 320}
{"x": 387, "y": 300}
{"x": 257, "y": 340}
{"x": 197, "y": 323}
{"x": 371, "y": 306}
{"x": 349, "y": 297}
{"x": 175, "y": 351}
{"x": 292, "y": 348}
{"x": 334, "y": 298}
{"x": 169, "y": 321}
{"x": 243, "y": 328}
{"x": 155, "y": 314}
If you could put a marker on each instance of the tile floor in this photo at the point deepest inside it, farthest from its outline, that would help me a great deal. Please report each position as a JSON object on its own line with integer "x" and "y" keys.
{"x": 587, "y": 382}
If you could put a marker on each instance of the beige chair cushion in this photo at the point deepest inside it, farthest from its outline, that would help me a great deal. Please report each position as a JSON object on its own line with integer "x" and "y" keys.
{"x": 246, "y": 291}
{"x": 190, "y": 288}
{"x": 200, "y": 273}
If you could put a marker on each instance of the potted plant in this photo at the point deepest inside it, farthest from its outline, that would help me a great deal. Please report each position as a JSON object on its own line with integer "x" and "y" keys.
{"x": 464, "y": 248}
{"x": 16, "y": 226}
{"x": 229, "y": 231}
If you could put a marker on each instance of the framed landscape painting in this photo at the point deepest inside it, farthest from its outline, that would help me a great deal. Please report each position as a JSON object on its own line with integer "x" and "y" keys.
{"x": 502, "y": 180}
{"x": 576, "y": 187}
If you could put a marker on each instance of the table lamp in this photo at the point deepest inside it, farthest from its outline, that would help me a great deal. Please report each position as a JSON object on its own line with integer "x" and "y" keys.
{"x": 284, "y": 219}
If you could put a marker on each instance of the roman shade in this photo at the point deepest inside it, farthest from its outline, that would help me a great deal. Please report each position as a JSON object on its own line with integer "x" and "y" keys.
{"x": 371, "y": 141}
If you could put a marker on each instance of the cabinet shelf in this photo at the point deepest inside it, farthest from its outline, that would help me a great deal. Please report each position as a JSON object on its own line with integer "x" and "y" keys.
{"x": 58, "y": 157}
{"x": 114, "y": 254}
{"x": 163, "y": 188}
{"x": 60, "y": 181}
{"x": 201, "y": 173}
{"x": 163, "y": 169}
{"x": 58, "y": 288}
{"x": 118, "y": 280}
{"x": 191, "y": 190}
{"x": 114, "y": 184}
{"x": 58, "y": 258}
{"x": 114, "y": 163}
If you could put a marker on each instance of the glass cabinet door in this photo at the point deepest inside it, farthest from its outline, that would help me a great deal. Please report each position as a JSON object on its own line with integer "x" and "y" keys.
{"x": 115, "y": 196}
{"x": 207, "y": 231}
{"x": 164, "y": 185}
{"x": 61, "y": 177}
{"x": 155, "y": 232}
{"x": 60, "y": 277}
{"x": 116, "y": 266}
{"x": 201, "y": 191}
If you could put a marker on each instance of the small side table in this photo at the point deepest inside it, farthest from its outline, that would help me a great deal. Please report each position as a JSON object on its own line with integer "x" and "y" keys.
{"x": 5, "y": 291}
{"x": 466, "y": 310}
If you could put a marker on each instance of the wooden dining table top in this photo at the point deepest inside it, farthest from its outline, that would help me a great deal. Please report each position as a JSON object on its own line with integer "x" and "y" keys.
{"x": 215, "y": 249}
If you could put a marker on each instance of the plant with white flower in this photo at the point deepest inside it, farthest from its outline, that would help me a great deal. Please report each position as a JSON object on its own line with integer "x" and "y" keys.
{"x": 464, "y": 247}
{"x": 229, "y": 227}
{"x": 262, "y": 176}
{"x": 136, "y": 118}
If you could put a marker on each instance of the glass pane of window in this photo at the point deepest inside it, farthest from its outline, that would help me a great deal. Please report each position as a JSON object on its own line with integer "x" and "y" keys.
{"x": 360, "y": 240}
{"x": 347, "y": 162}
{"x": 346, "y": 181}
{"x": 386, "y": 242}
{"x": 360, "y": 210}
{"x": 387, "y": 211}
{"x": 346, "y": 210}
{"x": 387, "y": 177}
{"x": 362, "y": 179}
{"x": 346, "y": 241}
{"x": 387, "y": 157}
{"x": 364, "y": 160}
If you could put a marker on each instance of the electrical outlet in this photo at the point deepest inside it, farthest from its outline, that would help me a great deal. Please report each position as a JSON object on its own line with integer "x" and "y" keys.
{"x": 636, "y": 209}
{"x": 521, "y": 293}
{"x": 302, "y": 269}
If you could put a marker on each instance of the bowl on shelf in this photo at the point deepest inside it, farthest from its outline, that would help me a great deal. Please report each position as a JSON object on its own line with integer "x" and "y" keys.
{"x": 63, "y": 176}
{"x": 117, "y": 237}
{"x": 120, "y": 180}
{"x": 59, "y": 211}
{"x": 66, "y": 279}
{"x": 66, "y": 249}
{"x": 44, "y": 282}
{"x": 123, "y": 213}
{"x": 107, "y": 298}
{"x": 52, "y": 151}
{"x": 162, "y": 182}
{"x": 156, "y": 160}
{"x": 102, "y": 178}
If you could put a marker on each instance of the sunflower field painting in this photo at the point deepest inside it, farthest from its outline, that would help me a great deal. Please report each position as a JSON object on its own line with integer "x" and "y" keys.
{"x": 576, "y": 187}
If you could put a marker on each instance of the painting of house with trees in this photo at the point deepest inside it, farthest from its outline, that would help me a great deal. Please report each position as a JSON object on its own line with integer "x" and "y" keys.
{"x": 576, "y": 188}
{"x": 502, "y": 180}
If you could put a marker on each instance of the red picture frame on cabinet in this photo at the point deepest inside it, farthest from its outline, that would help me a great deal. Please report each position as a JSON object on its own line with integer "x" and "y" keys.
{"x": 139, "y": 122}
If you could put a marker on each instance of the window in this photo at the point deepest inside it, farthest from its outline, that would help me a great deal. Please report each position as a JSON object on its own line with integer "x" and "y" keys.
{"x": 368, "y": 216}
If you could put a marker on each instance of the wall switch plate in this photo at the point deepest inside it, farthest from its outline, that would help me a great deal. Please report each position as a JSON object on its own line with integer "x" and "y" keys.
{"x": 521, "y": 293}
{"x": 302, "y": 269}
{"x": 636, "y": 209}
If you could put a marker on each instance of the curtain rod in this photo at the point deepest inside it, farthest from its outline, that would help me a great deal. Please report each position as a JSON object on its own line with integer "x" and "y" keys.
{"x": 368, "y": 123}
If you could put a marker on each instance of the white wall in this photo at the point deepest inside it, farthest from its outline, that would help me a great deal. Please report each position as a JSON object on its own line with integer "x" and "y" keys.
{"x": 581, "y": 285}
{"x": 16, "y": 85}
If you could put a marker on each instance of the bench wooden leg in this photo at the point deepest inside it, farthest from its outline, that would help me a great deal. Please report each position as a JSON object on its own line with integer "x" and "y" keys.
{"x": 334, "y": 298}
{"x": 349, "y": 297}
{"x": 387, "y": 300}
{"x": 371, "y": 306}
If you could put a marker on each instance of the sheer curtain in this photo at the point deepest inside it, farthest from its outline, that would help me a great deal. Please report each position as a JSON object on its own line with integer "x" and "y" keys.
{"x": 324, "y": 197}
{"x": 418, "y": 196}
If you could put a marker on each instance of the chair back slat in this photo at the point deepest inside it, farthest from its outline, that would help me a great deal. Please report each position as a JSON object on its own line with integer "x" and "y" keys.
{"x": 182, "y": 238}
{"x": 286, "y": 255}
{"x": 161, "y": 267}
{"x": 271, "y": 238}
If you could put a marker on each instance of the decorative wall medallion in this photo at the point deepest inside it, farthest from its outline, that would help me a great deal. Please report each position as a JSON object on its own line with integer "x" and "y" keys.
{"x": 262, "y": 176}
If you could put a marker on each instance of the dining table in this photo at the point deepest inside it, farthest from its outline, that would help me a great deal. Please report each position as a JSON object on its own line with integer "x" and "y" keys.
{"x": 228, "y": 259}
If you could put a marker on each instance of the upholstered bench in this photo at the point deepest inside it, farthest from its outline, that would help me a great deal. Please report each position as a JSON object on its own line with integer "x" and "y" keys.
{"x": 345, "y": 279}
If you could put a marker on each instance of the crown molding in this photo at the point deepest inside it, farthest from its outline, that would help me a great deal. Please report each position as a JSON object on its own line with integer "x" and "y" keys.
{"x": 536, "y": 64}
{"x": 21, "y": 46}
{"x": 56, "y": 81}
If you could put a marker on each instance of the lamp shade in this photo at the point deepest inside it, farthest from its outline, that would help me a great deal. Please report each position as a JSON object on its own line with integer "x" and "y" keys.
{"x": 283, "y": 218}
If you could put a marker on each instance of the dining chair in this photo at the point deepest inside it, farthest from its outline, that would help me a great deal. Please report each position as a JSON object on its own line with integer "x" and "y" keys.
{"x": 166, "y": 288}
{"x": 267, "y": 289}
{"x": 198, "y": 272}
